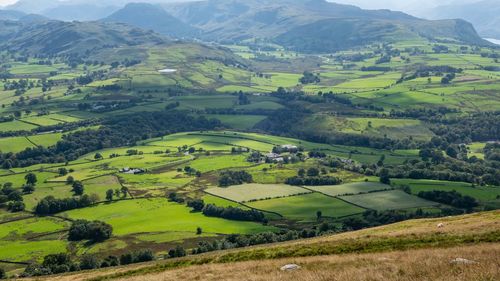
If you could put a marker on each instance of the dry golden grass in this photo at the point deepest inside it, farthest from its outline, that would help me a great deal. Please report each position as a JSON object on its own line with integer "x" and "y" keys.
{"x": 263, "y": 260}
{"x": 425, "y": 264}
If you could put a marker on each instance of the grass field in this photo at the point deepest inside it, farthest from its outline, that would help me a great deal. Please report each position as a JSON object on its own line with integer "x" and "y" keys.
{"x": 46, "y": 140}
{"x": 305, "y": 207}
{"x": 16, "y": 126}
{"x": 252, "y": 192}
{"x": 350, "y": 188}
{"x": 159, "y": 215}
{"x": 18, "y": 243}
{"x": 14, "y": 144}
{"x": 388, "y": 200}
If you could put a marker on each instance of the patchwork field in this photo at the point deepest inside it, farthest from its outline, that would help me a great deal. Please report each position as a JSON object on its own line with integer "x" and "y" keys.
{"x": 253, "y": 192}
{"x": 305, "y": 207}
{"x": 388, "y": 200}
{"x": 350, "y": 188}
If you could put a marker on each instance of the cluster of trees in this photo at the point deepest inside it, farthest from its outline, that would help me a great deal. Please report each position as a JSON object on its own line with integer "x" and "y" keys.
{"x": 116, "y": 131}
{"x": 290, "y": 149}
{"x": 232, "y": 213}
{"x": 448, "y": 78}
{"x": 484, "y": 126}
{"x": 51, "y": 205}
{"x": 309, "y": 78}
{"x": 492, "y": 152}
{"x": 312, "y": 177}
{"x": 228, "y": 178}
{"x": 196, "y": 204}
{"x": 243, "y": 98}
{"x": 63, "y": 262}
{"x": 372, "y": 218}
{"x": 313, "y": 181}
{"x": 143, "y": 255}
{"x": 317, "y": 154}
{"x": 12, "y": 198}
{"x": 452, "y": 198}
{"x": 89, "y": 230}
{"x": 239, "y": 241}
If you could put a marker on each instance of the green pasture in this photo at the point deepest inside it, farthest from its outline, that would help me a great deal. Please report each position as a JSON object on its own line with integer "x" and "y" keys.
{"x": 46, "y": 140}
{"x": 476, "y": 149}
{"x": 214, "y": 163}
{"x": 14, "y": 144}
{"x": 33, "y": 250}
{"x": 41, "y": 120}
{"x": 157, "y": 215}
{"x": 148, "y": 181}
{"x": 16, "y": 126}
{"x": 305, "y": 207}
{"x": 350, "y": 188}
{"x": 30, "y": 69}
{"x": 17, "y": 230}
{"x": 388, "y": 200}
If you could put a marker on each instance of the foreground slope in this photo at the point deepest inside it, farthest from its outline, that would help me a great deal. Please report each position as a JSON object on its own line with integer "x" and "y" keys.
{"x": 423, "y": 251}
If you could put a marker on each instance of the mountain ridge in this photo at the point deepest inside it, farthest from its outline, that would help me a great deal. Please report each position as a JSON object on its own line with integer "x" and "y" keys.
{"x": 149, "y": 16}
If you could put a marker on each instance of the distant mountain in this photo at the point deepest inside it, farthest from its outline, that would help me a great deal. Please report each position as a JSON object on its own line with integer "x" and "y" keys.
{"x": 11, "y": 15}
{"x": 33, "y": 6}
{"x": 72, "y": 38}
{"x": 153, "y": 17}
{"x": 80, "y": 12}
{"x": 313, "y": 25}
{"x": 485, "y": 15}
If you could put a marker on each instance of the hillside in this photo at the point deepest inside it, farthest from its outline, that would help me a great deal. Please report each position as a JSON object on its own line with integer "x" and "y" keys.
{"x": 148, "y": 16}
{"x": 56, "y": 37}
{"x": 288, "y": 22}
{"x": 420, "y": 247}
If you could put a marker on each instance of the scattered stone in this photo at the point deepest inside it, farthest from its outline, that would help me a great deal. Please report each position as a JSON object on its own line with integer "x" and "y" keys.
{"x": 462, "y": 261}
{"x": 290, "y": 267}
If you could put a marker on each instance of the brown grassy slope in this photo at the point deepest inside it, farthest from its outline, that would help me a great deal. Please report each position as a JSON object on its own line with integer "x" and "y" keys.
{"x": 458, "y": 231}
{"x": 423, "y": 264}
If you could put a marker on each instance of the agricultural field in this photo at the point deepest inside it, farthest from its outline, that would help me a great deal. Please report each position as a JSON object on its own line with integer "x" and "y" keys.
{"x": 160, "y": 216}
{"x": 387, "y": 200}
{"x": 314, "y": 136}
{"x": 253, "y": 192}
{"x": 305, "y": 207}
{"x": 350, "y": 188}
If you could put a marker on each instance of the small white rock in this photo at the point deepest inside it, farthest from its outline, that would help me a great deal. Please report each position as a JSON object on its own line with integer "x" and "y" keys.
{"x": 290, "y": 267}
{"x": 462, "y": 261}
{"x": 441, "y": 225}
